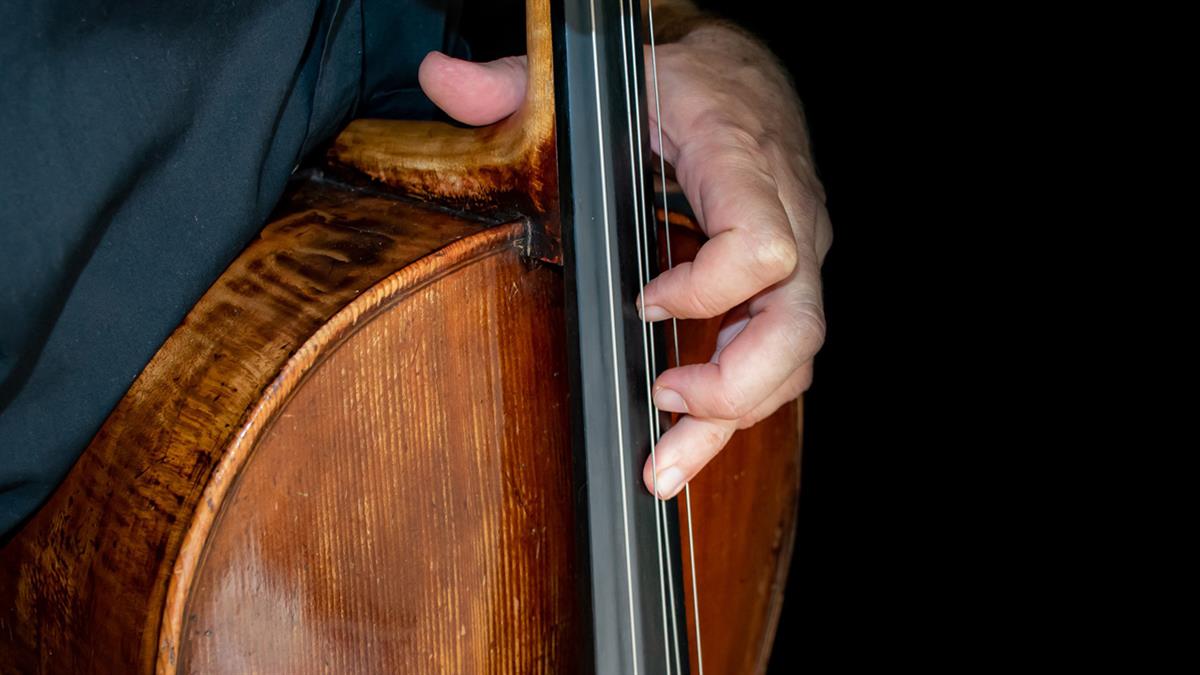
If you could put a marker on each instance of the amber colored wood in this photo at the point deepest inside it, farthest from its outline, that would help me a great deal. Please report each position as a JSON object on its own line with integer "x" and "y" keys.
{"x": 744, "y": 510}
{"x": 352, "y": 457}
{"x": 83, "y": 583}
{"x": 508, "y": 163}
{"x": 744, "y": 506}
{"x": 409, "y": 508}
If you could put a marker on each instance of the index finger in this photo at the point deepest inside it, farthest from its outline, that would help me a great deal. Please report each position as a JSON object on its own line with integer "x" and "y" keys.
{"x": 728, "y": 180}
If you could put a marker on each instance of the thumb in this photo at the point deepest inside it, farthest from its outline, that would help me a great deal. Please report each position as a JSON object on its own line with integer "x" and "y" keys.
{"x": 474, "y": 93}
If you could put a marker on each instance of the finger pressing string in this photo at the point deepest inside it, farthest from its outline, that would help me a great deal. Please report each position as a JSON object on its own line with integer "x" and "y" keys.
{"x": 774, "y": 343}
{"x": 751, "y": 242}
{"x": 683, "y": 451}
{"x": 692, "y": 443}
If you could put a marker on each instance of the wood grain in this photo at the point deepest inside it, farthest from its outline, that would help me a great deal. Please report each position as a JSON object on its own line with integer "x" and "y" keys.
{"x": 83, "y": 583}
{"x": 510, "y": 164}
{"x": 409, "y": 509}
{"x": 351, "y": 456}
{"x": 353, "y": 453}
{"x": 743, "y": 506}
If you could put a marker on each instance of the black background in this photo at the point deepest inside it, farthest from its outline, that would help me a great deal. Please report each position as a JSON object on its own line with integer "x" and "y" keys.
{"x": 877, "y": 93}
{"x": 990, "y": 175}
{"x": 852, "y": 589}
{"x": 850, "y": 565}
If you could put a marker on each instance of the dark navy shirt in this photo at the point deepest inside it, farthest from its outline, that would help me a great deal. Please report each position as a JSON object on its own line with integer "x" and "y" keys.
{"x": 142, "y": 146}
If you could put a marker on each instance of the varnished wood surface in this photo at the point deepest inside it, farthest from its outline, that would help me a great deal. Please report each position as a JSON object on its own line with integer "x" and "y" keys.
{"x": 350, "y": 456}
{"x": 744, "y": 509}
{"x": 510, "y": 163}
{"x": 82, "y": 584}
{"x": 292, "y": 482}
{"x": 409, "y": 509}
{"x": 744, "y": 506}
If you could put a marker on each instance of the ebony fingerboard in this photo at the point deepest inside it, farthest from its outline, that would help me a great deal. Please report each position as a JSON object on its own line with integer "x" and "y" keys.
{"x": 606, "y": 198}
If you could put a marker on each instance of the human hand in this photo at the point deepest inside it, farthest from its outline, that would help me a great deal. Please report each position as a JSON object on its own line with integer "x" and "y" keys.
{"x": 734, "y": 130}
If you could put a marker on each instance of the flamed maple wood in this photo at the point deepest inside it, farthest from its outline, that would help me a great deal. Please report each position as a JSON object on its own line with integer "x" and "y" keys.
{"x": 352, "y": 455}
{"x": 408, "y": 507}
{"x": 510, "y": 163}
{"x": 83, "y": 584}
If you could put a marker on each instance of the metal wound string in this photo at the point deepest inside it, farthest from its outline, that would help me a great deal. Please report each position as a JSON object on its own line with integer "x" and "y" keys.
{"x": 646, "y": 248}
{"x": 612, "y": 317}
{"x": 687, "y": 490}
{"x": 632, "y": 111}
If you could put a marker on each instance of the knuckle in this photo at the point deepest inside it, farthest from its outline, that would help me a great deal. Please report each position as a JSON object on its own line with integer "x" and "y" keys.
{"x": 736, "y": 137}
{"x": 773, "y": 145}
{"x": 795, "y": 386}
{"x": 807, "y": 330}
{"x": 802, "y": 383}
{"x": 824, "y": 237}
{"x": 774, "y": 256}
{"x": 704, "y": 303}
{"x": 753, "y": 77}
{"x": 726, "y": 134}
{"x": 732, "y": 403}
{"x": 713, "y": 439}
{"x": 755, "y": 416}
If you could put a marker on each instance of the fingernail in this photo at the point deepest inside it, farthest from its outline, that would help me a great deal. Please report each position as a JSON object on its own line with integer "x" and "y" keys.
{"x": 670, "y": 401}
{"x": 654, "y": 313}
{"x": 669, "y": 482}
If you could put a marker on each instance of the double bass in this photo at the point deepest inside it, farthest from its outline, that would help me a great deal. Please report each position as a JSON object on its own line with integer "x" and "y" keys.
{"x": 404, "y": 430}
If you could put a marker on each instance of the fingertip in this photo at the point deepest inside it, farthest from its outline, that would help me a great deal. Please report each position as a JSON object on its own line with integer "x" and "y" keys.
{"x": 679, "y": 379}
{"x": 434, "y": 56}
{"x": 649, "y": 304}
{"x": 669, "y": 400}
{"x": 429, "y": 72}
{"x": 666, "y": 483}
{"x": 653, "y": 313}
{"x": 670, "y": 481}
{"x": 436, "y": 79}
{"x": 648, "y": 476}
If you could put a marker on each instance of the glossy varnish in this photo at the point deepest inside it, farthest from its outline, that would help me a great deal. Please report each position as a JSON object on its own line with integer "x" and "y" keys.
{"x": 409, "y": 508}
{"x": 352, "y": 456}
{"x": 744, "y": 506}
{"x": 83, "y": 583}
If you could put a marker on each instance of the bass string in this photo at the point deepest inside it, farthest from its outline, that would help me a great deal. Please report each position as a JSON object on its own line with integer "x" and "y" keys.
{"x": 649, "y": 250}
{"x": 629, "y": 43}
{"x": 612, "y": 317}
{"x": 687, "y": 489}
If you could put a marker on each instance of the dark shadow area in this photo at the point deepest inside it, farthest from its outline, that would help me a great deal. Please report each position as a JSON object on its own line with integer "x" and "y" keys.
{"x": 859, "y": 587}
{"x": 865, "y": 87}
{"x": 848, "y": 557}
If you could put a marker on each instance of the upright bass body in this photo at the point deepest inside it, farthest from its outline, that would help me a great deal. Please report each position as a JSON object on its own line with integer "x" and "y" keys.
{"x": 355, "y": 454}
